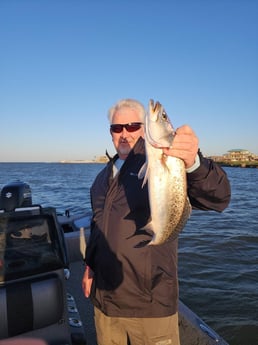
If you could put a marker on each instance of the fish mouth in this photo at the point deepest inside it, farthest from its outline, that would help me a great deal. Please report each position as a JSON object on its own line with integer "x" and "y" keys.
{"x": 155, "y": 106}
{"x": 156, "y": 110}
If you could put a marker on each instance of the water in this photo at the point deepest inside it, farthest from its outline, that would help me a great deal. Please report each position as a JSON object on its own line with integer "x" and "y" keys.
{"x": 218, "y": 262}
{"x": 64, "y": 186}
{"x": 218, "y": 253}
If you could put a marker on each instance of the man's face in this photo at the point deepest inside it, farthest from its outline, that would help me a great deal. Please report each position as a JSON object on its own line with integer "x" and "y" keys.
{"x": 124, "y": 141}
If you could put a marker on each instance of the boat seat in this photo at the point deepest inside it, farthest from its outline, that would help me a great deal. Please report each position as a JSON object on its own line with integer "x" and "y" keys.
{"x": 33, "y": 304}
{"x": 33, "y": 300}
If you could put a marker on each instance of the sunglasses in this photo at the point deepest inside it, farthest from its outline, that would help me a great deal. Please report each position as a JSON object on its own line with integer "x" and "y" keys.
{"x": 130, "y": 127}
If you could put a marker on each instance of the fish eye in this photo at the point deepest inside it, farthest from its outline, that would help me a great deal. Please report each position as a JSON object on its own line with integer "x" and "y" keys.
{"x": 164, "y": 115}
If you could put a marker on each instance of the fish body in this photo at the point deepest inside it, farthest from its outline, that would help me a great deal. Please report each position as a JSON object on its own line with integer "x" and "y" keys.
{"x": 166, "y": 177}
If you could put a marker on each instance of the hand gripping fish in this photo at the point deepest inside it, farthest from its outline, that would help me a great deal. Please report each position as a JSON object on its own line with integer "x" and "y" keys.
{"x": 166, "y": 176}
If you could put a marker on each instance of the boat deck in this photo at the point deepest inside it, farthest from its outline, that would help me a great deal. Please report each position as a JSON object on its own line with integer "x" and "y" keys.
{"x": 83, "y": 304}
{"x": 193, "y": 331}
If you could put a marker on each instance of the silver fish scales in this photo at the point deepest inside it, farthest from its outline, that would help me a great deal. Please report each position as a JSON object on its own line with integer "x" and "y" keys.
{"x": 166, "y": 177}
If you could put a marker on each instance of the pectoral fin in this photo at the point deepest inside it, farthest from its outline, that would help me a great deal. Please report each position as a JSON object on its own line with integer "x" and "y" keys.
{"x": 143, "y": 173}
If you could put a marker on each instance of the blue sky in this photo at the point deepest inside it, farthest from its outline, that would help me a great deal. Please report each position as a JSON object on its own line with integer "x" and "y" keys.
{"x": 63, "y": 63}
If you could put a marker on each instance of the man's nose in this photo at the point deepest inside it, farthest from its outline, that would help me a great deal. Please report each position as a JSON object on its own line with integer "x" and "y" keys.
{"x": 124, "y": 132}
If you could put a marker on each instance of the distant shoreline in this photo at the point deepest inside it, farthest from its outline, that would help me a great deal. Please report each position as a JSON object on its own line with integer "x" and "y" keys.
{"x": 82, "y": 161}
{"x": 238, "y": 164}
{"x": 59, "y": 162}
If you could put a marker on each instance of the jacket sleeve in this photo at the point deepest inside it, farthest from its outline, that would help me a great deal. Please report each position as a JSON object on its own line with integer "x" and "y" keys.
{"x": 208, "y": 186}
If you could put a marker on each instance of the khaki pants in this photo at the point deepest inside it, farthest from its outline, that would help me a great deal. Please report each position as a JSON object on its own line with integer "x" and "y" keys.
{"x": 136, "y": 331}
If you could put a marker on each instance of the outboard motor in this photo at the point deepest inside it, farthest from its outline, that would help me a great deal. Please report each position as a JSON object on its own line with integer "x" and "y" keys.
{"x": 15, "y": 194}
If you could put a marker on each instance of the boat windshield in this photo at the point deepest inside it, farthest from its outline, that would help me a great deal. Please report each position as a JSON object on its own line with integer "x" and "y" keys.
{"x": 28, "y": 245}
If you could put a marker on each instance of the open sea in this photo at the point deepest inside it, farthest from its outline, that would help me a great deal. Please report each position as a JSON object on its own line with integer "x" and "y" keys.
{"x": 218, "y": 252}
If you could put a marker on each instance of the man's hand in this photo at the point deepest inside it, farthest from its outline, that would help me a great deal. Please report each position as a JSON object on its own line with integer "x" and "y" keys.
{"x": 184, "y": 146}
{"x": 87, "y": 281}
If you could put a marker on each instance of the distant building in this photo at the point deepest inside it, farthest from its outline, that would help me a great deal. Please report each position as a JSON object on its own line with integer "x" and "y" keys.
{"x": 102, "y": 159}
{"x": 236, "y": 155}
{"x": 240, "y": 155}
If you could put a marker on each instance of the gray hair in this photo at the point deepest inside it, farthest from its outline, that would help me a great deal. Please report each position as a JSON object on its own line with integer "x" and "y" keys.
{"x": 127, "y": 103}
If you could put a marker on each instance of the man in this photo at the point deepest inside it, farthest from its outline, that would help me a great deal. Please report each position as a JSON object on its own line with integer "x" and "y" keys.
{"x": 134, "y": 289}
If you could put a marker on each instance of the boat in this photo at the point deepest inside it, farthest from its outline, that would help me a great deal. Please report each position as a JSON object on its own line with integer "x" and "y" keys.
{"x": 41, "y": 266}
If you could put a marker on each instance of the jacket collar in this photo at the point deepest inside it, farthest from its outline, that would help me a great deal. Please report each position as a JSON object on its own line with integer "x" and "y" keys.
{"x": 137, "y": 152}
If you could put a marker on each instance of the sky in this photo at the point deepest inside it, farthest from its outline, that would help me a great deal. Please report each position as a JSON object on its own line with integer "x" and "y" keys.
{"x": 64, "y": 63}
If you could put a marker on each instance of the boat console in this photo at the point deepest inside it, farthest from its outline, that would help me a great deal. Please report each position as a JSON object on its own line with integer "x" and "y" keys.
{"x": 33, "y": 266}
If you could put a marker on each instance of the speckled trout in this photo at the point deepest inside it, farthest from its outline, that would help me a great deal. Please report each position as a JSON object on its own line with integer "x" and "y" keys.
{"x": 166, "y": 177}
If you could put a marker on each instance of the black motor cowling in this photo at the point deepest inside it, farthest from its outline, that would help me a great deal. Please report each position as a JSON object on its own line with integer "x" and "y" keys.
{"x": 15, "y": 194}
